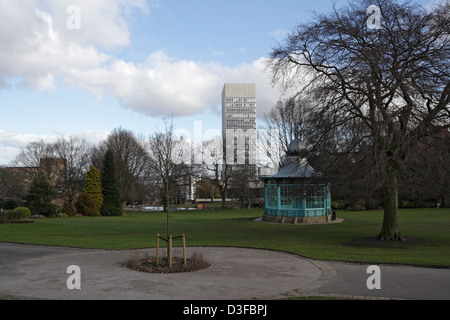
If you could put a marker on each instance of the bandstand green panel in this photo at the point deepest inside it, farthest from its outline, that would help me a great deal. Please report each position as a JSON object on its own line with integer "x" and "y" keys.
{"x": 297, "y": 193}
{"x": 295, "y": 200}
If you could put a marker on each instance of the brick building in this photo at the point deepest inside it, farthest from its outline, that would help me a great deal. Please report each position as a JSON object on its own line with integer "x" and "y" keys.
{"x": 14, "y": 181}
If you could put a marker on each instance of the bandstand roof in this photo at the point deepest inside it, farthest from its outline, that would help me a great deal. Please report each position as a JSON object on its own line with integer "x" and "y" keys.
{"x": 296, "y": 168}
{"x": 296, "y": 164}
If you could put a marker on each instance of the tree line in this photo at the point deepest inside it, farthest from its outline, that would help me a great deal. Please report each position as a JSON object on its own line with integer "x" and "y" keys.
{"x": 126, "y": 168}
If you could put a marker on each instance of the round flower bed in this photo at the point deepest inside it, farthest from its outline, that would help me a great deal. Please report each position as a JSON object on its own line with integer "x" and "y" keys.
{"x": 148, "y": 264}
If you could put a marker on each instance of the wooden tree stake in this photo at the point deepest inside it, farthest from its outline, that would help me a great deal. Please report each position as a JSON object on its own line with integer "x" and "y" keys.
{"x": 184, "y": 249}
{"x": 170, "y": 252}
{"x": 157, "y": 249}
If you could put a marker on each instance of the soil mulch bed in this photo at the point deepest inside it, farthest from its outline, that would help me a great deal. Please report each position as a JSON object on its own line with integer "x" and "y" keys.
{"x": 148, "y": 264}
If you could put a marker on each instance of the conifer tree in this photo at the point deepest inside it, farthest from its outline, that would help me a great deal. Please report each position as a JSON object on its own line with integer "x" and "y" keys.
{"x": 85, "y": 206}
{"x": 112, "y": 205}
{"x": 93, "y": 188}
{"x": 40, "y": 196}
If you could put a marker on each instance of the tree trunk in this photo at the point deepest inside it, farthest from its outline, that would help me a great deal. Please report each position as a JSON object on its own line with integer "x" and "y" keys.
{"x": 390, "y": 230}
{"x": 123, "y": 207}
{"x": 168, "y": 232}
{"x": 168, "y": 222}
{"x": 223, "y": 195}
{"x": 224, "y": 204}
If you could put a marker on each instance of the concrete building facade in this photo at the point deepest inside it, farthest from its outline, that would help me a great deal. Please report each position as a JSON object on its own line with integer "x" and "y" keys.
{"x": 239, "y": 125}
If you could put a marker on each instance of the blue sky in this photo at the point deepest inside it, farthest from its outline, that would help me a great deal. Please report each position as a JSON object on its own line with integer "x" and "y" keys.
{"x": 131, "y": 63}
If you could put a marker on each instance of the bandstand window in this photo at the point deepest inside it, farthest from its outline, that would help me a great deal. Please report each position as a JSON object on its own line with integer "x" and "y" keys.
{"x": 272, "y": 196}
{"x": 297, "y": 193}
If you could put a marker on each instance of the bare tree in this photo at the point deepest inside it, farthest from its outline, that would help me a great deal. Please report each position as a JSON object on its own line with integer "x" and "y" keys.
{"x": 286, "y": 121}
{"x": 243, "y": 186}
{"x": 168, "y": 165}
{"x": 213, "y": 161}
{"x": 427, "y": 177}
{"x": 387, "y": 88}
{"x": 206, "y": 188}
{"x": 130, "y": 160}
{"x": 31, "y": 155}
{"x": 76, "y": 153}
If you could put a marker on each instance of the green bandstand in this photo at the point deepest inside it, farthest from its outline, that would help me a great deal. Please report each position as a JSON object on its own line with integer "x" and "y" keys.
{"x": 297, "y": 193}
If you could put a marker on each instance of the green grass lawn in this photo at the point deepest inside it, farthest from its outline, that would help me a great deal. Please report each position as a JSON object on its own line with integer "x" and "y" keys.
{"x": 427, "y": 231}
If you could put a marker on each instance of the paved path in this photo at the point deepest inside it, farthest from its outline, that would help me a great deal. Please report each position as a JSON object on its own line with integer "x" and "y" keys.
{"x": 40, "y": 272}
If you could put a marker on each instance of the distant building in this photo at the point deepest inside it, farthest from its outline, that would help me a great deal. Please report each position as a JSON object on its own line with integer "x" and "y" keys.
{"x": 239, "y": 125}
{"x": 16, "y": 180}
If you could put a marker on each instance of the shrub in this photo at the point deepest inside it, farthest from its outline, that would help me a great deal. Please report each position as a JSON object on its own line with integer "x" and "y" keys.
{"x": 8, "y": 204}
{"x": 37, "y": 216}
{"x": 198, "y": 261}
{"x": 338, "y": 204}
{"x": 85, "y": 205}
{"x": 372, "y": 204}
{"x": 3, "y": 217}
{"x": 68, "y": 210}
{"x": 411, "y": 204}
{"x": 10, "y": 216}
{"x": 26, "y": 213}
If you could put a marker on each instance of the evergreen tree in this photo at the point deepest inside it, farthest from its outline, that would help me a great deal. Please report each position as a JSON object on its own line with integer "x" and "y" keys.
{"x": 85, "y": 205}
{"x": 93, "y": 187}
{"x": 112, "y": 205}
{"x": 68, "y": 209}
{"x": 40, "y": 195}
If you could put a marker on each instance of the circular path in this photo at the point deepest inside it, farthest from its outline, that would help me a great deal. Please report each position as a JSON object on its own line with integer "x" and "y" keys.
{"x": 40, "y": 272}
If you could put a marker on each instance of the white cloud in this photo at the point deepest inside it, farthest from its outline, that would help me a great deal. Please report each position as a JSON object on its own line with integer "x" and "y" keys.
{"x": 39, "y": 49}
{"x": 11, "y": 143}
{"x": 36, "y": 50}
{"x": 94, "y": 137}
{"x": 41, "y": 53}
{"x": 163, "y": 86}
{"x": 279, "y": 35}
{"x": 103, "y": 23}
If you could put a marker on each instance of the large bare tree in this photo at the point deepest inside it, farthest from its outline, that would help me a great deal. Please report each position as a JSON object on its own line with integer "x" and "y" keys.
{"x": 65, "y": 162}
{"x": 213, "y": 151}
{"x": 76, "y": 153}
{"x": 286, "y": 121}
{"x": 130, "y": 160}
{"x": 387, "y": 87}
{"x": 31, "y": 155}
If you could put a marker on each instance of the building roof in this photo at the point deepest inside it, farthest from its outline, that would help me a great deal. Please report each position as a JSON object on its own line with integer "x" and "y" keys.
{"x": 296, "y": 164}
{"x": 295, "y": 167}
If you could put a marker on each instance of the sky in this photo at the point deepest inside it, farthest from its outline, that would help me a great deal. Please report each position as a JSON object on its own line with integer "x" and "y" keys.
{"x": 87, "y": 67}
